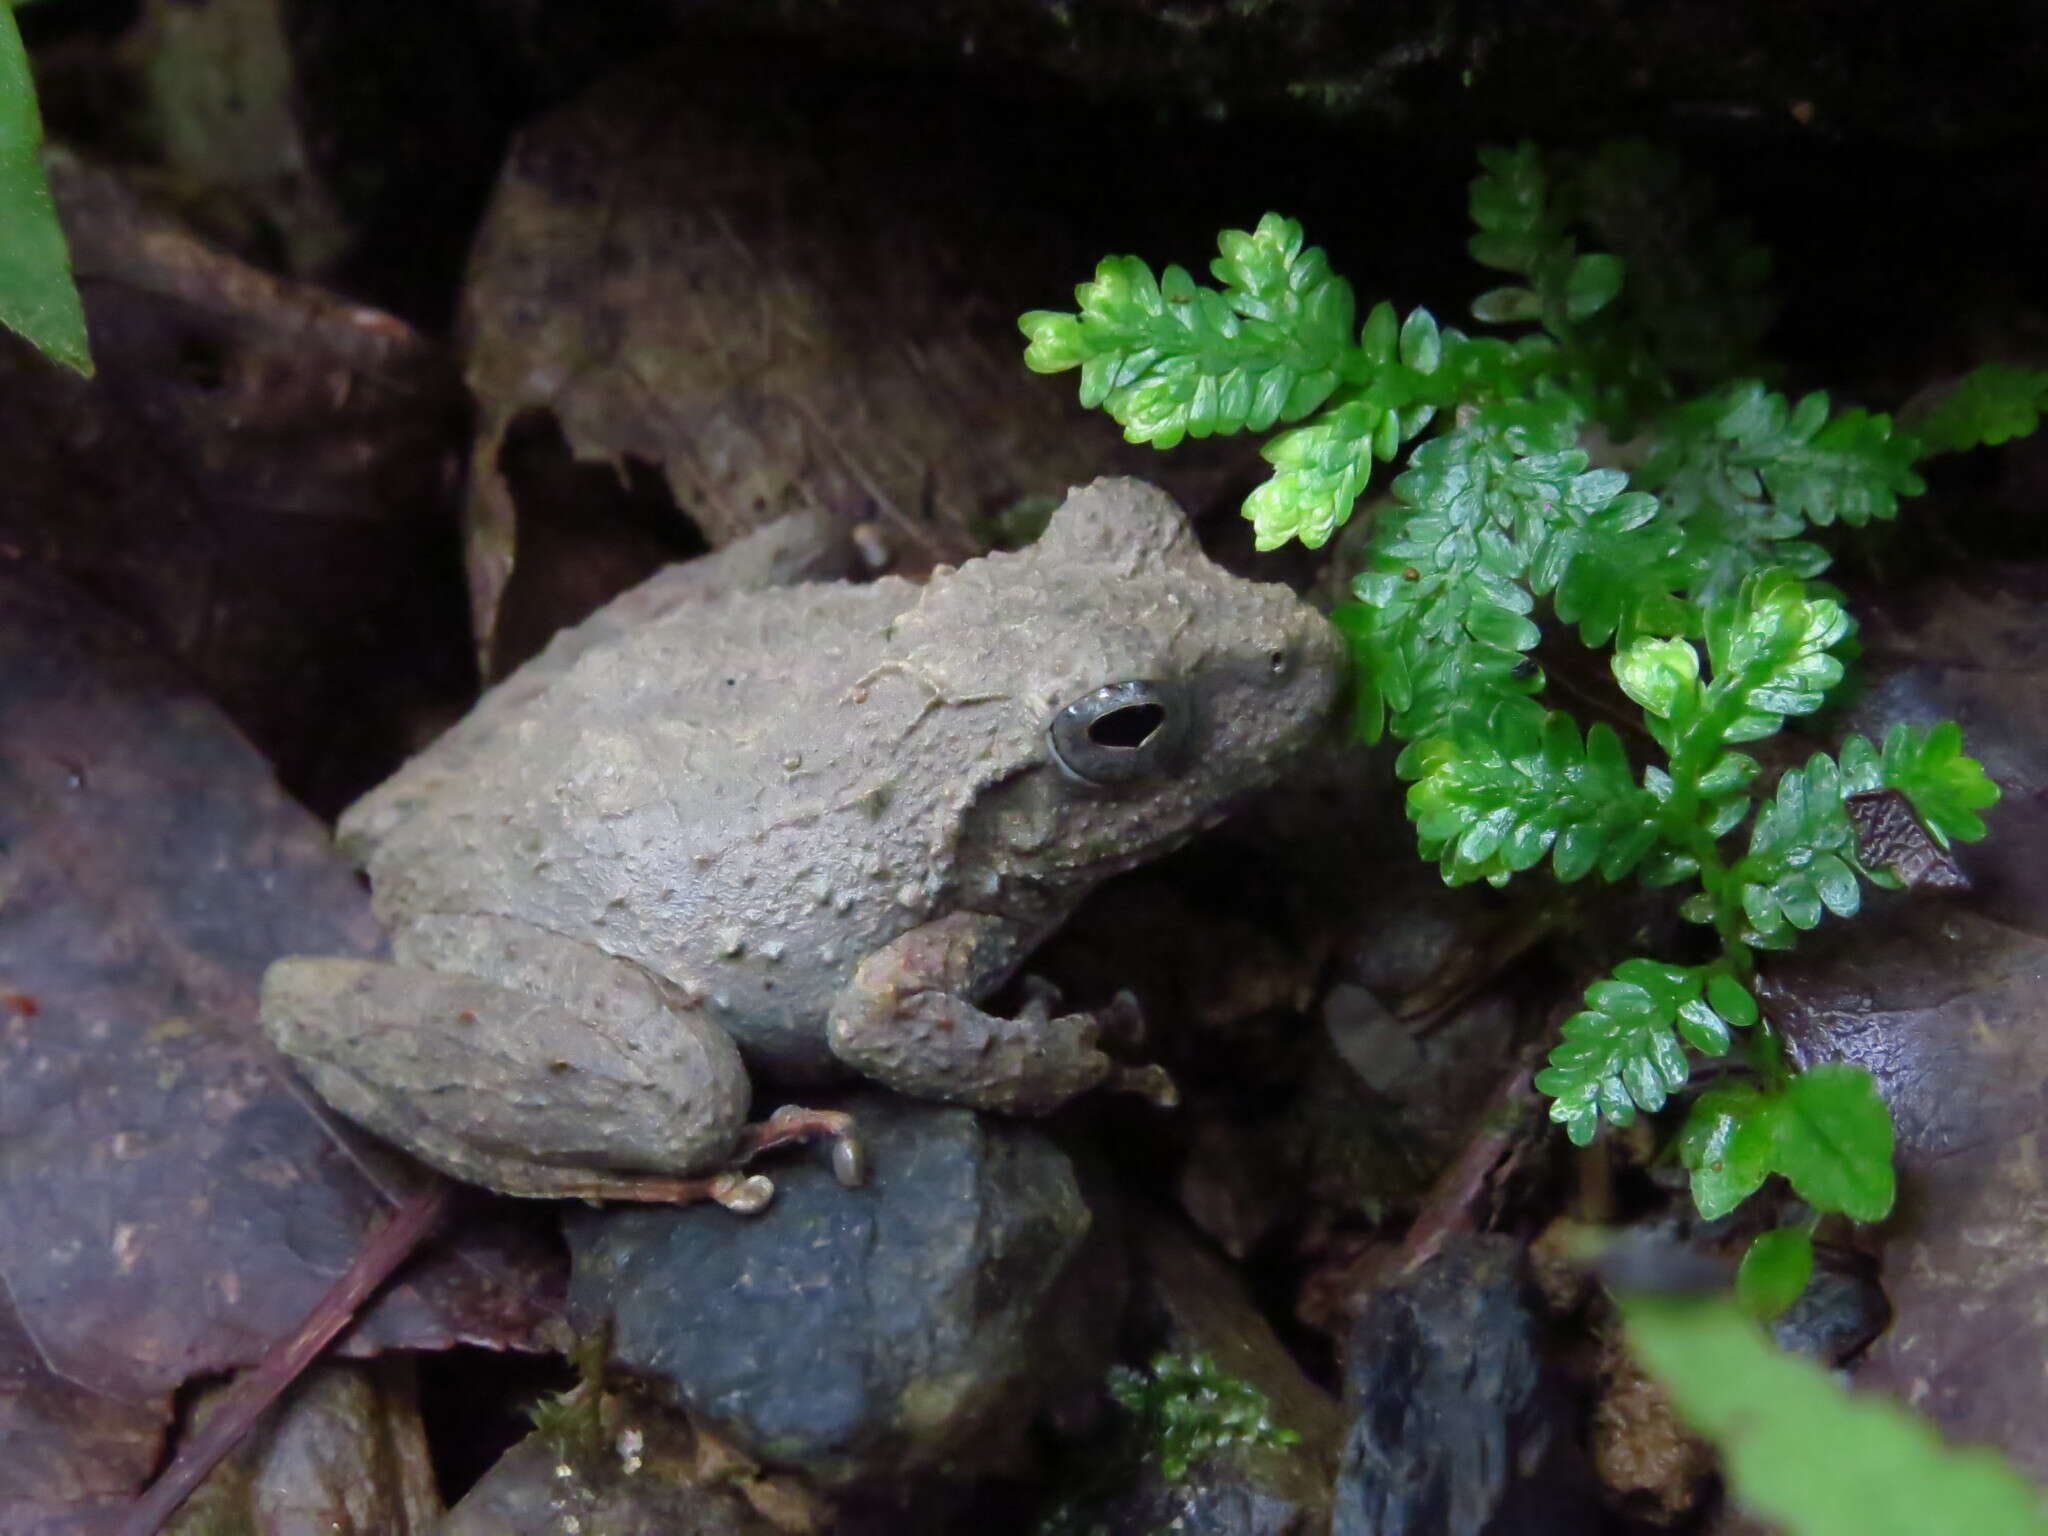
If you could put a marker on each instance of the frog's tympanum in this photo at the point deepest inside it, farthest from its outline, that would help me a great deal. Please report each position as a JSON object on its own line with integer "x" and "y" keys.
{"x": 802, "y": 830}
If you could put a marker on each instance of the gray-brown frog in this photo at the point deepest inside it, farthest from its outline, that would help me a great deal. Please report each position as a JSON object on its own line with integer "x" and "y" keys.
{"x": 819, "y": 822}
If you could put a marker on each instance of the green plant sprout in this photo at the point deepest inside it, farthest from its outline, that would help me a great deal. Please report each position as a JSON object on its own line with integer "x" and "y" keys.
{"x": 1181, "y": 1409}
{"x": 1686, "y": 553}
{"x": 1189, "y": 1407}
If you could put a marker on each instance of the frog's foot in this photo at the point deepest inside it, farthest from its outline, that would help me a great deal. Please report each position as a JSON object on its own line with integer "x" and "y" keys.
{"x": 793, "y": 1122}
{"x": 906, "y": 1019}
{"x": 1123, "y": 1021}
{"x": 1119, "y": 1024}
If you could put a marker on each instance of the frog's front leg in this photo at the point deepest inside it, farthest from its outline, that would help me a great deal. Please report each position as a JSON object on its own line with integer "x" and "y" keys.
{"x": 907, "y": 1019}
{"x": 603, "y": 1089}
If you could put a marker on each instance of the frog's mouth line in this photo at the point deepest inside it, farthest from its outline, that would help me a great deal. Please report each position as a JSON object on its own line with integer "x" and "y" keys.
{"x": 1148, "y": 850}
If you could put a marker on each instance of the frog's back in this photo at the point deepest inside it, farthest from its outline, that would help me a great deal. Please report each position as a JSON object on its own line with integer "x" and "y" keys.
{"x": 689, "y": 794}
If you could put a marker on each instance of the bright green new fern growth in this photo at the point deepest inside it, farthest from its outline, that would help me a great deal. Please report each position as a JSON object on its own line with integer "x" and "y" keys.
{"x": 1686, "y": 554}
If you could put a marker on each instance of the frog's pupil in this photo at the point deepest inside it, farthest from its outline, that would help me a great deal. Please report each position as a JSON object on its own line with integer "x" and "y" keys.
{"x": 1127, "y": 727}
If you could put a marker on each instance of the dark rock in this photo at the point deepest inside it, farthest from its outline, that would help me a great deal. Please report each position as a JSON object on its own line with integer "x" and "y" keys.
{"x": 1212, "y": 1500}
{"x": 1456, "y": 1429}
{"x": 1834, "y": 1319}
{"x": 633, "y": 1471}
{"x": 345, "y": 1453}
{"x": 1196, "y": 1305}
{"x": 859, "y": 1333}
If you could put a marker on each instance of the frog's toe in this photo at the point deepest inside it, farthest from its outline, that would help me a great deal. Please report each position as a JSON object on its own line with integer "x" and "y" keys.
{"x": 1041, "y": 996}
{"x": 1122, "y": 1021}
{"x": 1150, "y": 1082}
{"x": 849, "y": 1161}
{"x": 793, "y": 1122}
{"x": 744, "y": 1194}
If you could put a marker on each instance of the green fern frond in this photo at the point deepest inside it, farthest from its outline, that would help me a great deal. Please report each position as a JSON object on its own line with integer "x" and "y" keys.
{"x": 1801, "y": 862}
{"x": 1622, "y": 1052}
{"x": 1990, "y": 404}
{"x": 1742, "y": 473}
{"x": 1494, "y": 805}
{"x": 1169, "y": 358}
{"x": 1926, "y": 764}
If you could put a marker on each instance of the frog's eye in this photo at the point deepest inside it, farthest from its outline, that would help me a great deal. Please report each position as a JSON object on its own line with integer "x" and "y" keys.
{"x": 1122, "y": 732}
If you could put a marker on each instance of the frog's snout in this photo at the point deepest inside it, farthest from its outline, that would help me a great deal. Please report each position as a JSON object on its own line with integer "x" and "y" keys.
{"x": 1122, "y": 732}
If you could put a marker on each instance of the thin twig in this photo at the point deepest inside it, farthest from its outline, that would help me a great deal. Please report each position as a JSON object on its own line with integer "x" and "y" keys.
{"x": 1503, "y": 1127}
{"x": 374, "y": 1263}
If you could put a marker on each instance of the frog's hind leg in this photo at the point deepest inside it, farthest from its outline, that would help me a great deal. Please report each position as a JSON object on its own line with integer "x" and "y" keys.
{"x": 590, "y": 1090}
{"x": 745, "y": 1193}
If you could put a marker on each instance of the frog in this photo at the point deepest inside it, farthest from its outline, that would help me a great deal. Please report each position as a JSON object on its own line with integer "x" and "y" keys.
{"x": 795, "y": 835}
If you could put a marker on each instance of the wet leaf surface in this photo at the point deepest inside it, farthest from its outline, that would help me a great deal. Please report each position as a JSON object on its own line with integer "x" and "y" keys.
{"x": 69, "y": 1449}
{"x": 752, "y": 288}
{"x": 171, "y": 1200}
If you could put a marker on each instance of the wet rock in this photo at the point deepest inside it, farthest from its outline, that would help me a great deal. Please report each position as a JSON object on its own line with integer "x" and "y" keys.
{"x": 1942, "y": 1004}
{"x": 1214, "y": 1499}
{"x": 1456, "y": 1428}
{"x": 1834, "y": 1319}
{"x": 624, "y": 1470}
{"x": 1196, "y": 1307}
{"x": 1207, "y": 1310}
{"x": 854, "y": 1334}
{"x": 344, "y": 1455}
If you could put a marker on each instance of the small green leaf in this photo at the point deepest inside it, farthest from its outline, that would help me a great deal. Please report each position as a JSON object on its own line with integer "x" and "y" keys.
{"x": 1834, "y": 1142}
{"x": 1593, "y": 283}
{"x": 1800, "y": 848}
{"x": 1170, "y": 359}
{"x": 1504, "y": 252}
{"x": 1319, "y": 471}
{"x": 1726, "y": 1146}
{"x": 1507, "y": 306}
{"x": 1730, "y": 771}
{"x": 1926, "y": 765}
{"x": 1619, "y": 1054}
{"x": 1801, "y": 1450}
{"x": 1377, "y": 339}
{"x": 37, "y": 298}
{"x": 1731, "y": 999}
{"x": 1660, "y": 675}
{"x": 1421, "y": 346}
{"x": 1702, "y": 1028}
{"x": 1055, "y": 341}
{"x": 1774, "y": 1271}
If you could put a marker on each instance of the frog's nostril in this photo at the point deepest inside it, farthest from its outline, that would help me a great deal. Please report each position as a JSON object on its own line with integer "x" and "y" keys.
{"x": 1127, "y": 727}
{"x": 1122, "y": 732}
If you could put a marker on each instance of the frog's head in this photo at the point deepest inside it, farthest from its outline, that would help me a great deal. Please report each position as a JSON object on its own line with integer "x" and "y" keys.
{"x": 1124, "y": 690}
